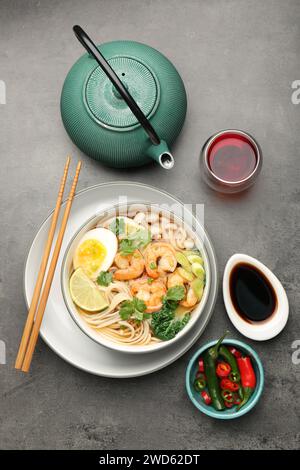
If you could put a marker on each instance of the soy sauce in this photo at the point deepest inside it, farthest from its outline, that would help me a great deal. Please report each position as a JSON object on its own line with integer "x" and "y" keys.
{"x": 252, "y": 295}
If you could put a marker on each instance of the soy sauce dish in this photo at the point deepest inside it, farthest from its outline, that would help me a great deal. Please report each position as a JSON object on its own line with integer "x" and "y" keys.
{"x": 254, "y": 298}
{"x": 225, "y": 379}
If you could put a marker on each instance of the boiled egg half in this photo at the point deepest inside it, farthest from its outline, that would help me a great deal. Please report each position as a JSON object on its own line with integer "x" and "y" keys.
{"x": 95, "y": 252}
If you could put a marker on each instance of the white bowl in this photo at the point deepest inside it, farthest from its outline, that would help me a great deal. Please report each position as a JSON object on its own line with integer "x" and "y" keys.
{"x": 96, "y": 336}
{"x": 264, "y": 330}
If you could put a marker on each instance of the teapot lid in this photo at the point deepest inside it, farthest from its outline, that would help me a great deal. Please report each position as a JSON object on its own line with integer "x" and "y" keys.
{"x": 106, "y": 105}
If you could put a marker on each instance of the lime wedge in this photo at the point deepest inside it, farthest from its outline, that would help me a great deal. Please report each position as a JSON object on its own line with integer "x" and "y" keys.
{"x": 85, "y": 294}
{"x": 131, "y": 227}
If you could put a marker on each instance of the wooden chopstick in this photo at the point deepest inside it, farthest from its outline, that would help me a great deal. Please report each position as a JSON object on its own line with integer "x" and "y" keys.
{"x": 44, "y": 297}
{"x": 41, "y": 274}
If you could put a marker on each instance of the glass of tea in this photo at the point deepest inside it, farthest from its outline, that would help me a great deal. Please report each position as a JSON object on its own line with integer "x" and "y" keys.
{"x": 230, "y": 161}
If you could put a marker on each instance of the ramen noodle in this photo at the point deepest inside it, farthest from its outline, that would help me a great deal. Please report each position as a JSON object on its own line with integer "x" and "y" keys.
{"x": 137, "y": 278}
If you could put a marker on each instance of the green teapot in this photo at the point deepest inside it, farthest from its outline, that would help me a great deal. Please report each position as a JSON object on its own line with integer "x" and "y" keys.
{"x": 123, "y": 103}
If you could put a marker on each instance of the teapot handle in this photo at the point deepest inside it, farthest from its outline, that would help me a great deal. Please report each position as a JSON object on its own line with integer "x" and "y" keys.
{"x": 92, "y": 49}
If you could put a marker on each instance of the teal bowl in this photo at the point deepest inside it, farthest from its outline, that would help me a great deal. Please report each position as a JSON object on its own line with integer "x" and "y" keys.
{"x": 230, "y": 413}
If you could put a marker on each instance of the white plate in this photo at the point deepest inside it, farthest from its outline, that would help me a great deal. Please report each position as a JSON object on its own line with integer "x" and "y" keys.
{"x": 58, "y": 329}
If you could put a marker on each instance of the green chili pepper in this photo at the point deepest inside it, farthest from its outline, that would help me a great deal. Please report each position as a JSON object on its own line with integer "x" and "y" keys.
{"x": 227, "y": 395}
{"x": 235, "y": 375}
{"x": 210, "y": 358}
{"x": 199, "y": 384}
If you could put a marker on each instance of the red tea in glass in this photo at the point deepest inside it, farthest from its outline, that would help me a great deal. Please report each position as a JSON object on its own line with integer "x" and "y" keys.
{"x": 231, "y": 161}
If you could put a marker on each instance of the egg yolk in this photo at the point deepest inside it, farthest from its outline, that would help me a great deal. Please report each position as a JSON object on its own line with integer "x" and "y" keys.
{"x": 90, "y": 256}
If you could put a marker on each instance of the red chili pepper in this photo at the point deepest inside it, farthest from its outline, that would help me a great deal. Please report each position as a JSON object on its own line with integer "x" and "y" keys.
{"x": 200, "y": 374}
{"x": 234, "y": 386}
{"x": 201, "y": 365}
{"x": 234, "y": 351}
{"x": 237, "y": 400}
{"x": 228, "y": 405}
{"x": 226, "y": 384}
{"x": 248, "y": 378}
{"x": 206, "y": 397}
{"x": 223, "y": 369}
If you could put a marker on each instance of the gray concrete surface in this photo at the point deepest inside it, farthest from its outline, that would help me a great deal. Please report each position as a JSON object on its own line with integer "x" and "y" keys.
{"x": 238, "y": 59}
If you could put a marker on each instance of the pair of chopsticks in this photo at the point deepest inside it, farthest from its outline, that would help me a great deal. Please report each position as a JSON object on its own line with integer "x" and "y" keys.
{"x": 39, "y": 300}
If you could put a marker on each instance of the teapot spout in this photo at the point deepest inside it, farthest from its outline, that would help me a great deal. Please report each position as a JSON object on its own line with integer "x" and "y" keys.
{"x": 161, "y": 154}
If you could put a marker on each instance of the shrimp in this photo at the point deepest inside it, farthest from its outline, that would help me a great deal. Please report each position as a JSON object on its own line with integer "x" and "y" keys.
{"x": 175, "y": 279}
{"x": 130, "y": 267}
{"x": 190, "y": 298}
{"x": 159, "y": 258}
{"x": 151, "y": 293}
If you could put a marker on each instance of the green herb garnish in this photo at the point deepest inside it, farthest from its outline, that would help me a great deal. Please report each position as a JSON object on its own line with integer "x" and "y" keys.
{"x": 126, "y": 247}
{"x": 135, "y": 241}
{"x": 175, "y": 293}
{"x": 133, "y": 309}
{"x": 164, "y": 324}
{"x": 104, "y": 278}
{"x": 153, "y": 265}
{"x": 117, "y": 226}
